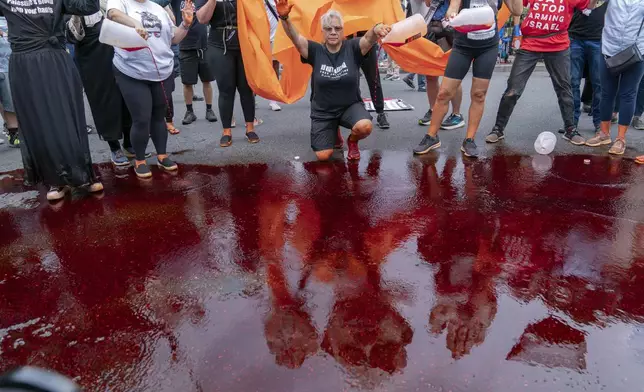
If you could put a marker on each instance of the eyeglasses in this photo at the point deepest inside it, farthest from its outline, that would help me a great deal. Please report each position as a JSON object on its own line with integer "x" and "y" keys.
{"x": 329, "y": 29}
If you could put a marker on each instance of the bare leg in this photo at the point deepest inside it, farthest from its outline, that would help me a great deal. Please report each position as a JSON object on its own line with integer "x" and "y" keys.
{"x": 207, "y": 92}
{"x": 457, "y": 100}
{"x": 188, "y": 94}
{"x": 478, "y": 93}
{"x": 445, "y": 95}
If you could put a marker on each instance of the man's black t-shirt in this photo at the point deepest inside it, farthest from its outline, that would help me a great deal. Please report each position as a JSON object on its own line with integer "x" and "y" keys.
{"x": 197, "y": 37}
{"x": 336, "y": 78}
{"x": 223, "y": 25}
{"x": 589, "y": 27}
{"x": 479, "y": 39}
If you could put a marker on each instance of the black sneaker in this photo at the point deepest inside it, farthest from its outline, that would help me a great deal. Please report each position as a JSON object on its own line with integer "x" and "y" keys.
{"x": 189, "y": 118}
{"x": 409, "y": 82}
{"x": 167, "y": 164}
{"x": 382, "y": 121}
{"x": 427, "y": 144}
{"x": 210, "y": 116}
{"x": 469, "y": 148}
{"x": 143, "y": 171}
{"x": 573, "y": 136}
{"x": 495, "y": 135}
{"x": 427, "y": 119}
{"x": 14, "y": 141}
{"x": 197, "y": 98}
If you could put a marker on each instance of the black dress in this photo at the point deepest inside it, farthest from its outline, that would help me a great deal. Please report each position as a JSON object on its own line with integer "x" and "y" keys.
{"x": 94, "y": 61}
{"x": 47, "y": 92}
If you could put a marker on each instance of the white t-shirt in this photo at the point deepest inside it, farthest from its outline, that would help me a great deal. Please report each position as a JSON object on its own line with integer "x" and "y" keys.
{"x": 139, "y": 64}
{"x": 272, "y": 20}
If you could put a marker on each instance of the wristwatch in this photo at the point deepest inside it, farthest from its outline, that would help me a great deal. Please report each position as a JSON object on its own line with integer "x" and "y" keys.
{"x": 284, "y": 17}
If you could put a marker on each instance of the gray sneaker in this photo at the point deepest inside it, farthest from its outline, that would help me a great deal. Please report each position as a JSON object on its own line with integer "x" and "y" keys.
{"x": 427, "y": 144}
{"x": 599, "y": 139}
{"x": 574, "y": 137}
{"x": 638, "y": 123}
{"x": 495, "y": 135}
{"x": 469, "y": 148}
{"x": 618, "y": 147}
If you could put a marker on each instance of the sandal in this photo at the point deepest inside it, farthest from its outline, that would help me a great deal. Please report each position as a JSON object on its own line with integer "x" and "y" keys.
{"x": 252, "y": 137}
{"x": 171, "y": 129}
{"x": 226, "y": 141}
{"x": 640, "y": 160}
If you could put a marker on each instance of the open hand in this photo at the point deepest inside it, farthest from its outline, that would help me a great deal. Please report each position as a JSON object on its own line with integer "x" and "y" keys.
{"x": 283, "y": 8}
{"x": 188, "y": 13}
{"x": 141, "y": 31}
{"x": 382, "y": 30}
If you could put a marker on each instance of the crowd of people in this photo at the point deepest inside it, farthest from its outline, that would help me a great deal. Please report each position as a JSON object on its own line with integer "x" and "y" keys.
{"x": 130, "y": 91}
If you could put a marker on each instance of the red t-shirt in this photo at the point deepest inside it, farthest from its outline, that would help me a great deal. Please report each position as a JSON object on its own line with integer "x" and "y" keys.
{"x": 546, "y": 17}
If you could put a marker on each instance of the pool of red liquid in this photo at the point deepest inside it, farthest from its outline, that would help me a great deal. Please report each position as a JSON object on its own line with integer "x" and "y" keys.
{"x": 394, "y": 274}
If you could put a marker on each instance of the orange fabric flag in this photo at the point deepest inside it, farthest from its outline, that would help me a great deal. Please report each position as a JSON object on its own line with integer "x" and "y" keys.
{"x": 420, "y": 56}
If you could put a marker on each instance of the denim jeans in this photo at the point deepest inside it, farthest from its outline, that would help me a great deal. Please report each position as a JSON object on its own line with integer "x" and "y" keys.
{"x": 582, "y": 51}
{"x": 626, "y": 85}
{"x": 422, "y": 81}
{"x": 639, "y": 104}
{"x": 557, "y": 65}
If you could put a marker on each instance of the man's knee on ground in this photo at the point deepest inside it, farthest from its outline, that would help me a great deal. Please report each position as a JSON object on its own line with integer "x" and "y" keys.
{"x": 324, "y": 155}
{"x": 363, "y": 128}
{"x": 478, "y": 95}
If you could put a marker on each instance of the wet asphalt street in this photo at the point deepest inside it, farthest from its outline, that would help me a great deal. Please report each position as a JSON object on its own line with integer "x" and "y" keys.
{"x": 285, "y": 134}
{"x": 250, "y": 270}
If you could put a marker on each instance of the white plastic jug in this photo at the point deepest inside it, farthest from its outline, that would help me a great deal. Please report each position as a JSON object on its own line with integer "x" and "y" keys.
{"x": 406, "y": 31}
{"x": 120, "y": 36}
{"x": 545, "y": 143}
{"x": 473, "y": 19}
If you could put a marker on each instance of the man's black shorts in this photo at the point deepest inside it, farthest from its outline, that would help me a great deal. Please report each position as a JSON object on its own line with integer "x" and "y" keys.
{"x": 324, "y": 131}
{"x": 193, "y": 64}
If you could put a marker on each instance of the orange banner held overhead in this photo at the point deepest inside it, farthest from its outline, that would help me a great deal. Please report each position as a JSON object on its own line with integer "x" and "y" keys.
{"x": 420, "y": 56}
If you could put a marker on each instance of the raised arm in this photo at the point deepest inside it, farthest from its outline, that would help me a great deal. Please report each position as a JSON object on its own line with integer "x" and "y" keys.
{"x": 377, "y": 32}
{"x": 301, "y": 43}
{"x": 188, "y": 16}
{"x": 453, "y": 9}
{"x": 515, "y": 6}
{"x": 204, "y": 14}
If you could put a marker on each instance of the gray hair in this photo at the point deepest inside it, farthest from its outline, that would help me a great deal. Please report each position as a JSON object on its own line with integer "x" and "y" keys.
{"x": 325, "y": 20}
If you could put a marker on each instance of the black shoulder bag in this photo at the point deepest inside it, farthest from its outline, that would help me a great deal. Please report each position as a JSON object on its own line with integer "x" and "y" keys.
{"x": 626, "y": 58}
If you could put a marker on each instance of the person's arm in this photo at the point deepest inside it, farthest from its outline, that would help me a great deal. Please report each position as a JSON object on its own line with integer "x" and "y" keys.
{"x": 188, "y": 15}
{"x": 378, "y": 31}
{"x": 168, "y": 10}
{"x": 204, "y": 14}
{"x": 515, "y": 6}
{"x": 592, "y": 5}
{"x": 454, "y": 8}
{"x": 301, "y": 43}
{"x": 119, "y": 16}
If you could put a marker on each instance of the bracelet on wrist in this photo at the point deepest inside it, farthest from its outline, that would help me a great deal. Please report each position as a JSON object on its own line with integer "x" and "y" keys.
{"x": 284, "y": 17}
{"x": 183, "y": 26}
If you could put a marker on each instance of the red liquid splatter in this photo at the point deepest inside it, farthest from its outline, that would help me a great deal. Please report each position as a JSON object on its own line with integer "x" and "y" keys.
{"x": 272, "y": 278}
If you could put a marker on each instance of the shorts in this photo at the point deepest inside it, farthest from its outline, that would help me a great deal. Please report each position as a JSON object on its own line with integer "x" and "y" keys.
{"x": 324, "y": 131}
{"x": 5, "y": 93}
{"x": 483, "y": 60}
{"x": 193, "y": 64}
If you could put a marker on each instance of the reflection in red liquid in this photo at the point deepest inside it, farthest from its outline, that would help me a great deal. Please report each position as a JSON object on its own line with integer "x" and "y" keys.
{"x": 327, "y": 277}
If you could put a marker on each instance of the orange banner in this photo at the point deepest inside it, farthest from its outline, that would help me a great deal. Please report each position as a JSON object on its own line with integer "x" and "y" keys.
{"x": 420, "y": 56}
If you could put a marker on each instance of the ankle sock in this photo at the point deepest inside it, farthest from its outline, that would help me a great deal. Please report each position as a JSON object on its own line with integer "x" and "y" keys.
{"x": 208, "y": 106}
{"x": 189, "y": 107}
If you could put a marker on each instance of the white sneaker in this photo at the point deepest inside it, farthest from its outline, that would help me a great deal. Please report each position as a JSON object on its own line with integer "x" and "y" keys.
{"x": 274, "y": 106}
{"x": 1, "y": 141}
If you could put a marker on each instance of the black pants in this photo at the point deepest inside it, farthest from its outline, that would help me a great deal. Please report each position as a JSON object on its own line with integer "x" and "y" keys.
{"x": 558, "y": 66}
{"x": 147, "y": 104}
{"x": 230, "y": 76}
{"x": 372, "y": 76}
